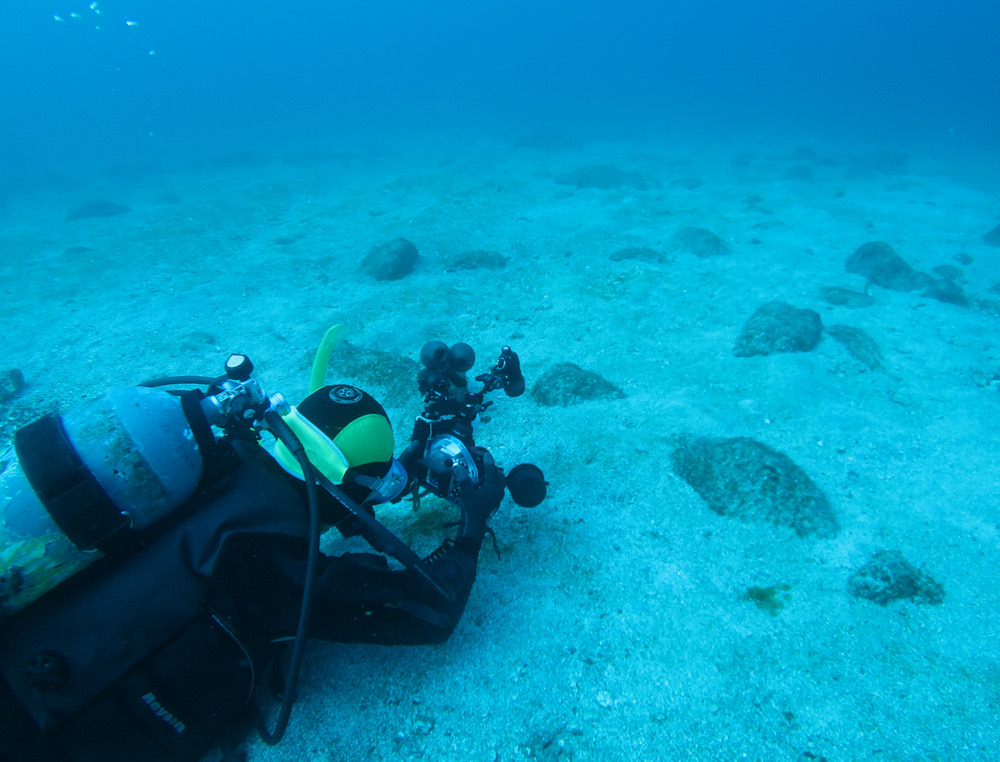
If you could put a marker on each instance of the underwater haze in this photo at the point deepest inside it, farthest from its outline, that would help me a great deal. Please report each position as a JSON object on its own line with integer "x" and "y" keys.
{"x": 747, "y": 252}
{"x": 133, "y": 81}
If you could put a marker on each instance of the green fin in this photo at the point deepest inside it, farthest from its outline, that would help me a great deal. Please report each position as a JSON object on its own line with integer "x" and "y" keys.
{"x": 333, "y": 336}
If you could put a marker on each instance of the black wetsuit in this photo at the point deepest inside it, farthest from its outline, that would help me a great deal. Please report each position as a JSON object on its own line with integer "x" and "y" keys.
{"x": 144, "y": 657}
{"x": 357, "y": 597}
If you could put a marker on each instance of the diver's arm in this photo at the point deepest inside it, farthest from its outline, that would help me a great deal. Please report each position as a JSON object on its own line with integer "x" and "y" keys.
{"x": 358, "y": 598}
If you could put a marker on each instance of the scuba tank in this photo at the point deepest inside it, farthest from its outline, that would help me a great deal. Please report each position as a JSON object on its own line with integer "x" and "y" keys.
{"x": 86, "y": 485}
{"x": 81, "y": 482}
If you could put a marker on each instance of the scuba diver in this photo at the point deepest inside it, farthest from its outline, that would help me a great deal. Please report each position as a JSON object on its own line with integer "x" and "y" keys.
{"x": 160, "y": 569}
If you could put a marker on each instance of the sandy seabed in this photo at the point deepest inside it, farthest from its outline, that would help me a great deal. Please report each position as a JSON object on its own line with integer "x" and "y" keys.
{"x": 616, "y": 622}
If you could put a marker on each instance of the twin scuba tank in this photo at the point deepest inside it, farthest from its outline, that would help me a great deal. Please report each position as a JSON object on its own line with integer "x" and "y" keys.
{"x": 78, "y": 485}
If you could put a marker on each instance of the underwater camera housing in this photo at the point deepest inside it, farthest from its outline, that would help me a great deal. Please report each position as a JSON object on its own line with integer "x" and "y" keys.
{"x": 443, "y": 433}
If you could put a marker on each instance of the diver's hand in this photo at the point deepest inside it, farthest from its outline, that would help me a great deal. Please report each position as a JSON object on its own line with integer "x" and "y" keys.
{"x": 479, "y": 501}
{"x": 408, "y": 458}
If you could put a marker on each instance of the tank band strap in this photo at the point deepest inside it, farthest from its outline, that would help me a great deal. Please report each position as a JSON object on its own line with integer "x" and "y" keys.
{"x": 66, "y": 487}
{"x": 200, "y": 427}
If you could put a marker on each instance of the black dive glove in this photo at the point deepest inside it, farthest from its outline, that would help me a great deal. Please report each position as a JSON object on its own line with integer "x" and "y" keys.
{"x": 479, "y": 501}
{"x": 409, "y": 457}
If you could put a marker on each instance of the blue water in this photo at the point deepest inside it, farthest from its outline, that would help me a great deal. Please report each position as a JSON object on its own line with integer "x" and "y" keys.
{"x": 190, "y": 78}
{"x": 624, "y": 619}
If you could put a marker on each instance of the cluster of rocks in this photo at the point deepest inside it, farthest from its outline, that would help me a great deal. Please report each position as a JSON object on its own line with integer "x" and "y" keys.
{"x": 779, "y": 327}
{"x": 736, "y": 477}
{"x": 398, "y": 258}
{"x": 745, "y": 479}
{"x": 740, "y": 477}
{"x": 701, "y": 242}
{"x": 748, "y": 480}
{"x": 882, "y": 266}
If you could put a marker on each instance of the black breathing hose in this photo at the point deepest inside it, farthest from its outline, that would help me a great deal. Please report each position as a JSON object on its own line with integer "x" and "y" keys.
{"x": 282, "y": 431}
{"x": 378, "y": 535}
{"x": 170, "y": 380}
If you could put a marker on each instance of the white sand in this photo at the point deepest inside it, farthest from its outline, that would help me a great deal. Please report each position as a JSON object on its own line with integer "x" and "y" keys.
{"x": 614, "y": 626}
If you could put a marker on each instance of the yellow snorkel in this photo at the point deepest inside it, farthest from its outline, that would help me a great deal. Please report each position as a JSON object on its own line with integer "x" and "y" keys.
{"x": 320, "y": 450}
{"x": 366, "y": 438}
{"x": 333, "y": 336}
